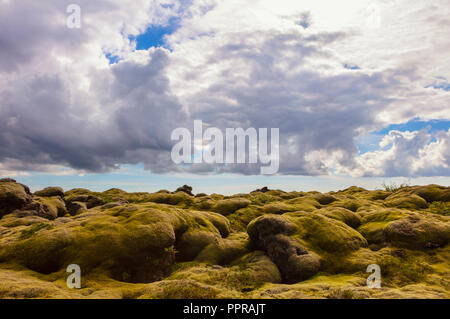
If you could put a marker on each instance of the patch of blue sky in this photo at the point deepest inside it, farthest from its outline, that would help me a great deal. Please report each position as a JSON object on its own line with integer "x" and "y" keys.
{"x": 441, "y": 83}
{"x": 351, "y": 66}
{"x": 112, "y": 58}
{"x": 155, "y": 35}
{"x": 416, "y": 125}
{"x": 371, "y": 141}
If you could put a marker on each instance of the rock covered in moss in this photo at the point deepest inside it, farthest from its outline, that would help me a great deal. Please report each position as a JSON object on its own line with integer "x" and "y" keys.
{"x": 322, "y": 233}
{"x": 293, "y": 260}
{"x": 278, "y": 208}
{"x": 133, "y": 243}
{"x": 224, "y": 251}
{"x": 295, "y": 241}
{"x": 373, "y": 224}
{"x": 191, "y": 243}
{"x": 433, "y": 193}
{"x": 76, "y": 208}
{"x": 52, "y": 206}
{"x": 186, "y": 189}
{"x": 50, "y": 192}
{"x": 406, "y": 200}
{"x": 94, "y": 201}
{"x": 90, "y": 201}
{"x": 271, "y": 234}
{"x": 342, "y": 214}
{"x": 178, "y": 198}
{"x": 12, "y": 196}
{"x": 229, "y": 206}
{"x": 418, "y": 232}
{"x": 324, "y": 199}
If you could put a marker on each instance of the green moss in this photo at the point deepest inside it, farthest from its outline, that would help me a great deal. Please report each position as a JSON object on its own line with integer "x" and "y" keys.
{"x": 402, "y": 270}
{"x": 407, "y": 201}
{"x": 324, "y": 199}
{"x": 433, "y": 193}
{"x": 278, "y": 208}
{"x": 323, "y": 233}
{"x": 418, "y": 232}
{"x": 306, "y": 204}
{"x": 342, "y": 214}
{"x": 263, "y": 198}
{"x": 54, "y": 205}
{"x": 27, "y": 233}
{"x": 441, "y": 208}
{"x": 224, "y": 251}
{"x": 229, "y": 206}
{"x": 50, "y": 192}
{"x": 180, "y": 289}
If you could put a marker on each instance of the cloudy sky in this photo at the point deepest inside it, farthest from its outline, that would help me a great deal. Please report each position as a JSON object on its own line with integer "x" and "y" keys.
{"x": 360, "y": 91}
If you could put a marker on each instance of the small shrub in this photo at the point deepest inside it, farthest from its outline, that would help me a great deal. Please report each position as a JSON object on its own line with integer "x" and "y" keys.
{"x": 393, "y": 187}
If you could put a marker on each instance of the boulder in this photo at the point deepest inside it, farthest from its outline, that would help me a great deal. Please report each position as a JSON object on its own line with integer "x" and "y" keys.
{"x": 277, "y": 208}
{"x": 12, "y": 196}
{"x": 191, "y": 243}
{"x": 265, "y": 189}
{"x": 324, "y": 199}
{"x": 94, "y": 201}
{"x": 405, "y": 200}
{"x": 433, "y": 193}
{"x": 270, "y": 233}
{"x": 52, "y": 207}
{"x": 186, "y": 189}
{"x": 224, "y": 251}
{"x": 294, "y": 261}
{"x": 114, "y": 204}
{"x": 342, "y": 214}
{"x": 76, "y": 208}
{"x": 229, "y": 206}
{"x": 50, "y": 192}
{"x": 418, "y": 232}
{"x": 295, "y": 241}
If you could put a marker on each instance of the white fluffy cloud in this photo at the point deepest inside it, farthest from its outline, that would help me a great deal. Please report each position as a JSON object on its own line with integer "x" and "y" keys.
{"x": 324, "y": 72}
{"x": 406, "y": 154}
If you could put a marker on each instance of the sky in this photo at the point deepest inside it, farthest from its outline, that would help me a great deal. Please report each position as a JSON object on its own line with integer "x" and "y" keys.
{"x": 360, "y": 91}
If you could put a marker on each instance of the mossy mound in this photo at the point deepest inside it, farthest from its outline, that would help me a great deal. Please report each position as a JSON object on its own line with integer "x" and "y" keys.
{"x": 134, "y": 244}
{"x": 342, "y": 214}
{"x": 50, "y": 192}
{"x": 407, "y": 201}
{"x": 229, "y": 206}
{"x": 418, "y": 232}
{"x": 295, "y": 241}
{"x": 55, "y": 206}
{"x": 374, "y": 222}
{"x": 224, "y": 251}
{"x": 433, "y": 193}
{"x": 12, "y": 196}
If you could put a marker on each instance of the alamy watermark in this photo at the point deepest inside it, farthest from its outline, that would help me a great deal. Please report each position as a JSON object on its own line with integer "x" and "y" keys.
{"x": 74, "y": 279}
{"x": 74, "y": 19}
{"x": 209, "y": 147}
{"x": 374, "y": 280}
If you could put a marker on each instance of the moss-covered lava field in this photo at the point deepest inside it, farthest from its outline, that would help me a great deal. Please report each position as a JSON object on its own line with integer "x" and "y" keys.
{"x": 266, "y": 244}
